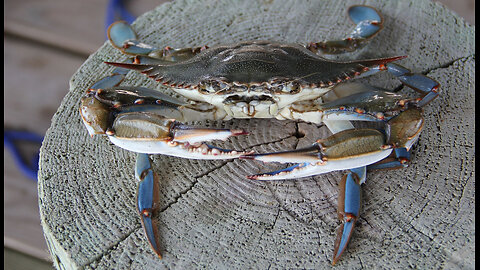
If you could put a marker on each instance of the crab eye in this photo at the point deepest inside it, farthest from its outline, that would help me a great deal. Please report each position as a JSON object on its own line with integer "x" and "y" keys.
{"x": 223, "y": 86}
{"x": 291, "y": 88}
{"x": 294, "y": 88}
{"x": 276, "y": 87}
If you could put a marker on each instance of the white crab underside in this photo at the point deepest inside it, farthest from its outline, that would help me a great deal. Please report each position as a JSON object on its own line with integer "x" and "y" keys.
{"x": 255, "y": 107}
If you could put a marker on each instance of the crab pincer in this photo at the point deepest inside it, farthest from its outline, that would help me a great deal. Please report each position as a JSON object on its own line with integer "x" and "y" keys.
{"x": 152, "y": 134}
{"x": 344, "y": 150}
{"x": 144, "y": 122}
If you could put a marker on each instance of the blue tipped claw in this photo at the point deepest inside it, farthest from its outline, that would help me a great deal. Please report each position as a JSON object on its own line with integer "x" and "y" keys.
{"x": 146, "y": 195}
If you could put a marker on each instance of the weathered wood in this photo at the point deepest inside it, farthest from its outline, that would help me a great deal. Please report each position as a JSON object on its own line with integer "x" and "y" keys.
{"x": 210, "y": 216}
{"x": 30, "y": 102}
{"x": 76, "y": 26}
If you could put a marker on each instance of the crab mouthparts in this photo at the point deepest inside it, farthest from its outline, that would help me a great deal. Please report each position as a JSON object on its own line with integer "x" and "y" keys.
{"x": 248, "y": 106}
{"x": 248, "y": 99}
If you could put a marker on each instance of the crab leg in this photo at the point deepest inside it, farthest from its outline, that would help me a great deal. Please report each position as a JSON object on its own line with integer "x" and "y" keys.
{"x": 143, "y": 121}
{"x": 349, "y": 188}
{"x": 427, "y": 86}
{"x": 147, "y": 194}
{"x": 347, "y": 149}
{"x": 118, "y": 75}
{"x": 370, "y": 105}
{"x": 368, "y": 23}
{"x": 349, "y": 204}
{"x": 349, "y": 198}
{"x": 123, "y": 37}
{"x": 401, "y": 156}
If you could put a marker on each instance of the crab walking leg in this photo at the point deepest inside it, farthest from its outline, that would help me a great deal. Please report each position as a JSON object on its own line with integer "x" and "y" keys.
{"x": 365, "y": 103}
{"x": 400, "y": 159}
{"x": 403, "y": 131}
{"x": 428, "y": 87}
{"x": 368, "y": 23}
{"x": 123, "y": 37}
{"x": 349, "y": 198}
{"x": 349, "y": 204}
{"x": 147, "y": 194}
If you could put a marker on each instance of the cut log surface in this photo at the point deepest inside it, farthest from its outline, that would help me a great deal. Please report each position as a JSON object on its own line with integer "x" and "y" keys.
{"x": 211, "y": 216}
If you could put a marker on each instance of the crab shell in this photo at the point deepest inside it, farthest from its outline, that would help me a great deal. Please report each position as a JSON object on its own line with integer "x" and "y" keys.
{"x": 254, "y": 78}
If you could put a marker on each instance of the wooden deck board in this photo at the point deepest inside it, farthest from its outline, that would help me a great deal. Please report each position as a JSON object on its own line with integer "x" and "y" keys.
{"x": 36, "y": 81}
{"x": 15, "y": 260}
{"x": 73, "y": 25}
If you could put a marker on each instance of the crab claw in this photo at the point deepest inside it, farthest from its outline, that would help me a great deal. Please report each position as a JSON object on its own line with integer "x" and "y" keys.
{"x": 306, "y": 159}
{"x": 344, "y": 150}
{"x": 190, "y": 134}
{"x": 147, "y": 193}
{"x": 150, "y": 133}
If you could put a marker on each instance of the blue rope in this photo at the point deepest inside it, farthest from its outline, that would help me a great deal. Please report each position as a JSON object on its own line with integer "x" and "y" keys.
{"x": 29, "y": 169}
{"x": 116, "y": 11}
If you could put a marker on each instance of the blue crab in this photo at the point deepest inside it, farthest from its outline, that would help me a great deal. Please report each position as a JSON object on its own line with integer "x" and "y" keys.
{"x": 260, "y": 79}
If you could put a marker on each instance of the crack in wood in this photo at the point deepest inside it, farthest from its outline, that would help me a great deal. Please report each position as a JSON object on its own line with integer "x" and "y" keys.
{"x": 408, "y": 228}
{"x": 192, "y": 185}
{"x": 111, "y": 248}
{"x": 449, "y": 64}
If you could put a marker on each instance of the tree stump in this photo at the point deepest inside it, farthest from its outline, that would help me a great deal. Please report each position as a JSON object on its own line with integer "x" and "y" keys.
{"x": 212, "y": 217}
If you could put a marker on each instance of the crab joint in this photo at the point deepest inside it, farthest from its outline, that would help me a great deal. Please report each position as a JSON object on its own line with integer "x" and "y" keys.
{"x": 147, "y": 212}
{"x": 94, "y": 114}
